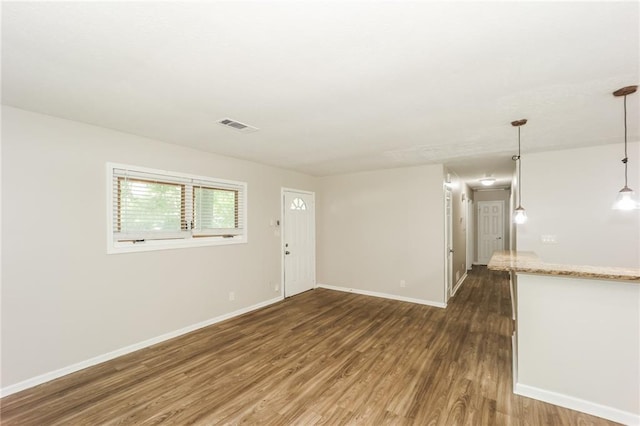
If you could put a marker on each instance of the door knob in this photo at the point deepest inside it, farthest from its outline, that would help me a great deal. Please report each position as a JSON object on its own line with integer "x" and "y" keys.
{"x": 287, "y": 252}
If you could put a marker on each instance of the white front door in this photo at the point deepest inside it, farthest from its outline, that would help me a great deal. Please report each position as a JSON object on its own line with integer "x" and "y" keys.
{"x": 298, "y": 241}
{"x": 490, "y": 229}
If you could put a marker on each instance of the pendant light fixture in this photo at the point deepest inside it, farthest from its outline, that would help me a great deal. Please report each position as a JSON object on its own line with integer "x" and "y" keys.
{"x": 626, "y": 199}
{"x": 520, "y": 215}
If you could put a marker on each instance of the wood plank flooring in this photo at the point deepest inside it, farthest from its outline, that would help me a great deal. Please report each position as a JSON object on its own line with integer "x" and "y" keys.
{"x": 322, "y": 357}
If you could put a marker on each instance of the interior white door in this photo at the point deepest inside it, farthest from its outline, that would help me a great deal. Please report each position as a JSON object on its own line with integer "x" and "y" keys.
{"x": 448, "y": 230}
{"x": 299, "y": 241}
{"x": 490, "y": 229}
{"x": 470, "y": 221}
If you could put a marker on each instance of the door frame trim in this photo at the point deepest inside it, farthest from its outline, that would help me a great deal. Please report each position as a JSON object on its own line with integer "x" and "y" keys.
{"x": 448, "y": 234}
{"x": 282, "y": 209}
{"x": 469, "y": 233}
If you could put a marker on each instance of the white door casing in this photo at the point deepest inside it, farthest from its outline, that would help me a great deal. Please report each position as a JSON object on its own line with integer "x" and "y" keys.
{"x": 448, "y": 234}
{"x": 490, "y": 229}
{"x": 298, "y": 241}
{"x": 469, "y": 236}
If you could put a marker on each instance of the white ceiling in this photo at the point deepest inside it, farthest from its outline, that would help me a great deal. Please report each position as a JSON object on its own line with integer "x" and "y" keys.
{"x": 334, "y": 87}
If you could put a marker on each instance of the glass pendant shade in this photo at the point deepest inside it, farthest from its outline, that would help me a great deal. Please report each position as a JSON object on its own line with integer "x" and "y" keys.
{"x": 520, "y": 215}
{"x": 626, "y": 200}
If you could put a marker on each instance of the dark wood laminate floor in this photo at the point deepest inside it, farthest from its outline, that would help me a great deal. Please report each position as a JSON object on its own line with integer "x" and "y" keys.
{"x": 322, "y": 357}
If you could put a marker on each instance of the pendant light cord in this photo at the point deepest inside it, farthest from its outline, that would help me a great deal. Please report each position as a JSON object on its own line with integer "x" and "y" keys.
{"x": 625, "y": 159}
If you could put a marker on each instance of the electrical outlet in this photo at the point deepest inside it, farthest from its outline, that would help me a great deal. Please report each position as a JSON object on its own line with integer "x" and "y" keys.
{"x": 403, "y": 283}
{"x": 232, "y": 295}
{"x": 276, "y": 287}
{"x": 549, "y": 239}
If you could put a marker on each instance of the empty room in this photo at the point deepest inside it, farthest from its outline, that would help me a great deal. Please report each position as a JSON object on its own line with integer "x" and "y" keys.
{"x": 320, "y": 212}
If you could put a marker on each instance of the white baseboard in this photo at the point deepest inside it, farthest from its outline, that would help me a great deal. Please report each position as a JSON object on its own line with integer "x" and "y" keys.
{"x": 34, "y": 381}
{"x": 458, "y": 284}
{"x": 578, "y": 404}
{"x": 383, "y": 295}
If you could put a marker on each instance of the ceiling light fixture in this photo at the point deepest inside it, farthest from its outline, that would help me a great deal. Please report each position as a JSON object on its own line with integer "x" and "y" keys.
{"x": 626, "y": 199}
{"x": 520, "y": 215}
{"x": 488, "y": 180}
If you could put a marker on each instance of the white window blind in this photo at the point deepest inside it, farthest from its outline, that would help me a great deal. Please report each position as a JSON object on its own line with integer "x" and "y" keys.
{"x": 152, "y": 209}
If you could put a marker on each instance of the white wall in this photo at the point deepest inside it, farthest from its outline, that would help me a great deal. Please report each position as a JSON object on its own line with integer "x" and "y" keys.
{"x": 569, "y": 194}
{"x": 578, "y": 339}
{"x": 579, "y": 344}
{"x": 378, "y": 228}
{"x": 64, "y": 300}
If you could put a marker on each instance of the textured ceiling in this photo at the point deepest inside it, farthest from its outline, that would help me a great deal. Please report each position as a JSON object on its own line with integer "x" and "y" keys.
{"x": 334, "y": 87}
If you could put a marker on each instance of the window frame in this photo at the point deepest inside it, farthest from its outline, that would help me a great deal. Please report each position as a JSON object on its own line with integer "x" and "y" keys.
{"x": 189, "y": 237}
{"x": 162, "y": 235}
{"x": 205, "y": 232}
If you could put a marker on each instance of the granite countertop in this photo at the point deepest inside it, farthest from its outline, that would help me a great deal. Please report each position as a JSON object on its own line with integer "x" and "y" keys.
{"x": 528, "y": 262}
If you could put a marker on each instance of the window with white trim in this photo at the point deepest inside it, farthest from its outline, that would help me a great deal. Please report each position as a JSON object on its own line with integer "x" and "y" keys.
{"x": 154, "y": 209}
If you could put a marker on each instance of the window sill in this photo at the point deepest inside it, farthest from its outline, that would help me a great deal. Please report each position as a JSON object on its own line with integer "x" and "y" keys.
{"x": 152, "y": 245}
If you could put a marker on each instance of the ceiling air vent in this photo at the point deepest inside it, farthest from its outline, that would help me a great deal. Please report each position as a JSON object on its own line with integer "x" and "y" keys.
{"x": 236, "y": 125}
